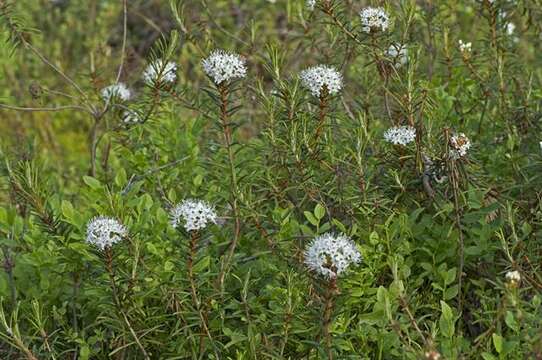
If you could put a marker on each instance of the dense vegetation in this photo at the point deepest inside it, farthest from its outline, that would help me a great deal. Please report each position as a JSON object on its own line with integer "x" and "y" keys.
{"x": 385, "y": 206}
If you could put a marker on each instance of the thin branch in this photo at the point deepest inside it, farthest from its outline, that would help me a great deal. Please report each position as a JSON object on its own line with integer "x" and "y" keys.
{"x": 44, "y": 109}
{"x": 56, "y": 69}
{"x": 136, "y": 178}
{"x": 124, "y": 37}
{"x": 228, "y": 144}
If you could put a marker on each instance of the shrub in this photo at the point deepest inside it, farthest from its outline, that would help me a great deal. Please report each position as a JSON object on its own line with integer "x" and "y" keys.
{"x": 270, "y": 179}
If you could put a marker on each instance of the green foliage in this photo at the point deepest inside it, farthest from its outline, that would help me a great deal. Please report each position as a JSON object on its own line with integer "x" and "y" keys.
{"x": 438, "y": 234}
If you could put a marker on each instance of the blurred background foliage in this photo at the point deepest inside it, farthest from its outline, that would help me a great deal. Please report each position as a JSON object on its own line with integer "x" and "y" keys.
{"x": 404, "y": 301}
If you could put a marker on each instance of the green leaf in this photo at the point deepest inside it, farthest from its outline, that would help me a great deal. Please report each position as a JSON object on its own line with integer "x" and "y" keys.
{"x": 234, "y": 336}
{"x": 145, "y": 202}
{"x": 202, "y": 264}
{"x": 526, "y": 228}
{"x": 372, "y": 318}
{"x": 67, "y": 209}
{"x": 311, "y": 218}
{"x": 172, "y": 195}
{"x": 84, "y": 353}
{"x": 168, "y": 265}
{"x": 152, "y": 249}
{"x": 326, "y": 227}
{"x": 473, "y": 250}
{"x": 488, "y": 356}
{"x": 383, "y": 300}
{"x": 511, "y": 321}
{"x": 338, "y": 224}
{"x": 446, "y": 321}
{"x": 162, "y": 216}
{"x": 450, "y": 276}
{"x": 374, "y": 239}
{"x": 198, "y": 179}
{"x": 451, "y": 292}
{"x": 92, "y": 182}
{"x": 319, "y": 211}
{"x": 497, "y": 342}
{"x": 120, "y": 178}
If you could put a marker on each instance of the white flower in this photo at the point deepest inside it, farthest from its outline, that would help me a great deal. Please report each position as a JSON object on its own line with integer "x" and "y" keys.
{"x": 330, "y": 255}
{"x": 193, "y": 215}
{"x": 130, "y": 117}
{"x": 465, "y": 47}
{"x": 432, "y": 355}
{"x": 513, "y": 276}
{"x": 374, "y": 19}
{"x": 223, "y": 66}
{"x": 311, "y": 4}
{"x": 316, "y": 77}
{"x": 510, "y": 28}
{"x": 104, "y": 231}
{"x": 116, "y": 90}
{"x": 398, "y": 53}
{"x": 460, "y": 144}
{"x": 160, "y": 72}
{"x": 400, "y": 135}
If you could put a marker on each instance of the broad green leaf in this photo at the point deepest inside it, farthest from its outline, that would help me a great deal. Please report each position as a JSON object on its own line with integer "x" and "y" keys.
{"x": 311, "y": 218}
{"x": 446, "y": 321}
{"x": 497, "y": 342}
{"x": 92, "y": 182}
{"x": 319, "y": 211}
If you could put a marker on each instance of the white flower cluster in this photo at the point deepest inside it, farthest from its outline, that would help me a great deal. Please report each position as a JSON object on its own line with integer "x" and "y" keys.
{"x": 316, "y": 77}
{"x": 460, "y": 144}
{"x": 510, "y": 28}
{"x": 160, "y": 72}
{"x": 374, "y": 19}
{"x": 223, "y": 66}
{"x": 130, "y": 117}
{"x": 193, "y": 215}
{"x": 119, "y": 91}
{"x": 510, "y": 31}
{"x": 330, "y": 255}
{"x": 104, "y": 231}
{"x": 513, "y": 276}
{"x": 399, "y": 53}
{"x": 311, "y": 4}
{"x": 400, "y": 135}
{"x": 465, "y": 47}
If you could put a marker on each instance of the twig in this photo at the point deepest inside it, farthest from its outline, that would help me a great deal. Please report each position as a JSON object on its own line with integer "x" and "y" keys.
{"x": 56, "y": 69}
{"x": 328, "y": 313}
{"x": 136, "y": 178}
{"x": 98, "y": 116}
{"x": 124, "y": 37}
{"x": 228, "y": 143}
{"x": 44, "y": 109}
{"x": 411, "y": 318}
{"x": 328, "y": 10}
{"x": 454, "y": 177}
